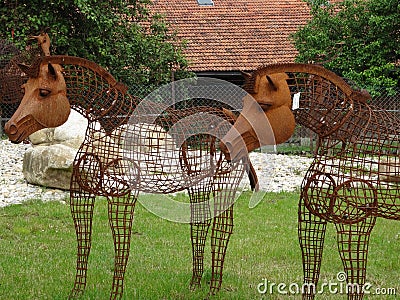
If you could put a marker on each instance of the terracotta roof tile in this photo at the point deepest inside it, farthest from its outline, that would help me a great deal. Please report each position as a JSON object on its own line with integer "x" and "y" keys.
{"x": 235, "y": 34}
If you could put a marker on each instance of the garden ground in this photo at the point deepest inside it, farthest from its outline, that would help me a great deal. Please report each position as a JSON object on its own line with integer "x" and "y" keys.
{"x": 37, "y": 242}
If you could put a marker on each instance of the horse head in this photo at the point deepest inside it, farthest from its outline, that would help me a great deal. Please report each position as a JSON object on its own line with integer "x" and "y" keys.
{"x": 266, "y": 118}
{"x": 44, "y": 104}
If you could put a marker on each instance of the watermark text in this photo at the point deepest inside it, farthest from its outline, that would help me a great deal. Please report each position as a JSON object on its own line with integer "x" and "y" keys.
{"x": 337, "y": 286}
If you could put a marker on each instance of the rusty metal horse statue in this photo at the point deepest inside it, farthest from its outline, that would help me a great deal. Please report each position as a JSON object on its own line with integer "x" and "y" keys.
{"x": 355, "y": 175}
{"x": 124, "y": 153}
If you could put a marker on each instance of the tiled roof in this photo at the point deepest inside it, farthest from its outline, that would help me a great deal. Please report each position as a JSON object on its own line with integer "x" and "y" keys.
{"x": 235, "y": 35}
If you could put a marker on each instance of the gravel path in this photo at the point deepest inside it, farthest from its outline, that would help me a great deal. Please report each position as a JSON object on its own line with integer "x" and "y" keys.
{"x": 13, "y": 187}
{"x": 275, "y": 172}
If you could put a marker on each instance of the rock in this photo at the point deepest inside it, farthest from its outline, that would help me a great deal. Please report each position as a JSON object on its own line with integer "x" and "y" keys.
{"x": 145, "y": 137}
{"x": 72, "y": 132}
{"x": 42, "y": 137}
{"x": 13, "y": 187}
{"x": 49, "y": 161}
{"x": 49, "y": 166}
{"x": 389, "y": 170}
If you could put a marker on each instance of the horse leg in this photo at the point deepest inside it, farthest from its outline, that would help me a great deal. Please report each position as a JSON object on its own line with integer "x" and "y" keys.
{"x": 353, "y": 240}
{"x": 81, "y": 205}
{"x": 222, "y": 228}
{"x": 311, "y": 231}
{"x": 120, "y": 216}
{"x": 226, "y": 182}
{"x": 221, "y": 232}
{"x": 199, "y": 226}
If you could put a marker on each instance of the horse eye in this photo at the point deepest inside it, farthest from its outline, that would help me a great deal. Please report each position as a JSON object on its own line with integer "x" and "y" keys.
{"x": 43, "y": 92}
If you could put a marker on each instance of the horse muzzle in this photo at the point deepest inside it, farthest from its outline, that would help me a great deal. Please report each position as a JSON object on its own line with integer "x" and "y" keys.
{"x": 17, "y": 131}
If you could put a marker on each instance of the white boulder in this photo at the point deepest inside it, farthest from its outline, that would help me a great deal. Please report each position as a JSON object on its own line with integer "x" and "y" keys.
{"x": 49, "y": 161}
{"x": 50, "y": 166}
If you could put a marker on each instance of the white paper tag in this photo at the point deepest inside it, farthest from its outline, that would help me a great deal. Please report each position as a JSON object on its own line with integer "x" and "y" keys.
{"x": 296, "y": 101}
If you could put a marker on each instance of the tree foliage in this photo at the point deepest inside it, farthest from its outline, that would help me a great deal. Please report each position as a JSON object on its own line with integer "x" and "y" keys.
{"x": 358, "y": 39}
{"x": 120, "y": 35}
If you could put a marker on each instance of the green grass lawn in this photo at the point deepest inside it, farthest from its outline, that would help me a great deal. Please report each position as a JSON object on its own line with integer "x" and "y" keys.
{"x": 37, "y": 261}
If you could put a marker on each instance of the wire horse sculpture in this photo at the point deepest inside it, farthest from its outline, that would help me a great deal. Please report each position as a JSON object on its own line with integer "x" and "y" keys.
{"x": 355, "y": 175}
{"x": 119, "y": 158}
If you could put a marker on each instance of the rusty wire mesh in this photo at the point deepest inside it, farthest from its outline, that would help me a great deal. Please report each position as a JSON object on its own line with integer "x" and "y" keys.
{"x": 355, "y": 175}
{"x": 390, "y": 102}
{"x": 11, "y": 79}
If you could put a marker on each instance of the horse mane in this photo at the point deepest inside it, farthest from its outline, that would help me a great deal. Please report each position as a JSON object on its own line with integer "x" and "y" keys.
{"x": 78, "y": 61}
{"x": 312, "y": 69}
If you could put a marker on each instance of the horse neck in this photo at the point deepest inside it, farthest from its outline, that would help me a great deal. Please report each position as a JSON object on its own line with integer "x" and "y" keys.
{"x": 97, "y": 99}
{"x": 322, "y": 106}
{"x": 368, "y": 131}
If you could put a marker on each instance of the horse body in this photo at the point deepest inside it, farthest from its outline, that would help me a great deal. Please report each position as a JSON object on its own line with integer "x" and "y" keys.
{"x": 354, "y": 176}
{"x": 359, "y": 161}
{"x": 124, "y": 153}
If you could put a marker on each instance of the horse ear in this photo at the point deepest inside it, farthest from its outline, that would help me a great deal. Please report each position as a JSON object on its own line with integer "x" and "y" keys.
{"x": 272, "y": 84}
{"x": 52, "y": 71}
{"x": 245, "y": 74}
